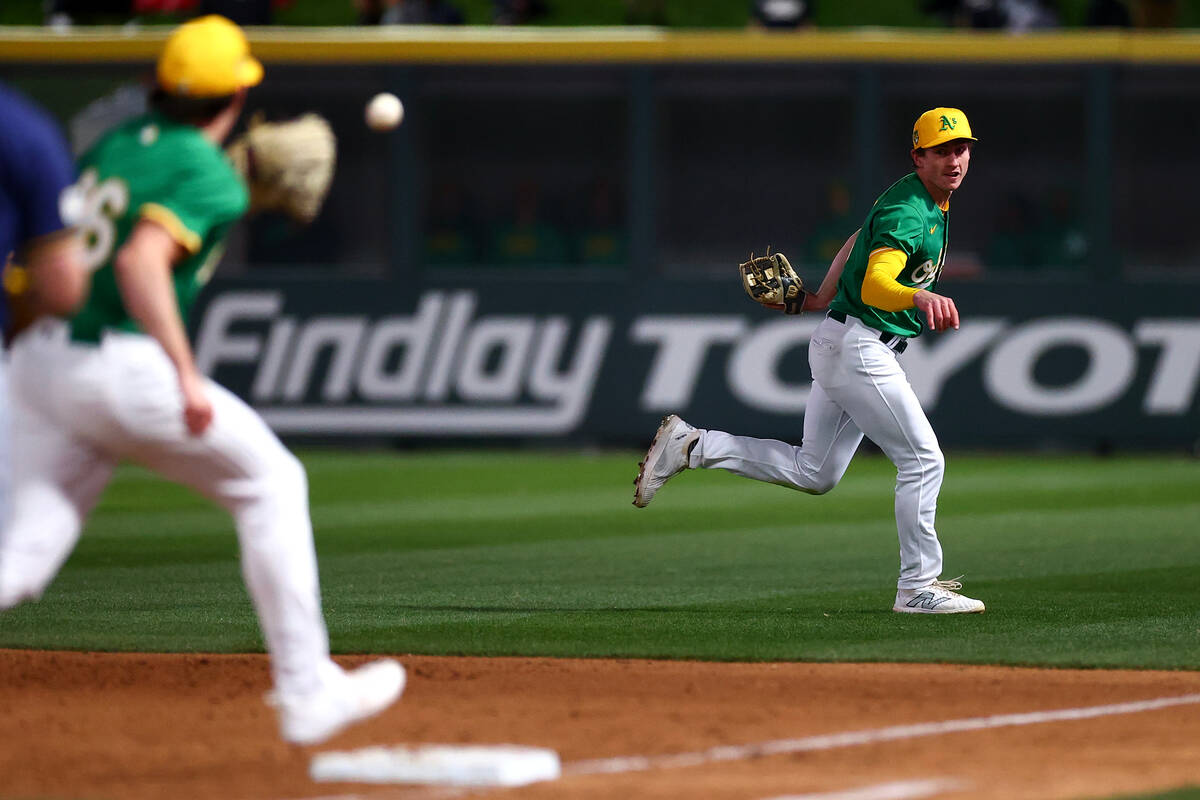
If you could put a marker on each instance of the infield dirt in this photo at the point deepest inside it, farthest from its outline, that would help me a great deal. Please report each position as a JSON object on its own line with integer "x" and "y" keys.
{"x": 140, "y": 726}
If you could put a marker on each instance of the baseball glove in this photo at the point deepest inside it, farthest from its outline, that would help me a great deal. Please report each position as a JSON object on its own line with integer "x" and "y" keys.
{"x": 287, "y": 165}
{"x": 771, "y": 281}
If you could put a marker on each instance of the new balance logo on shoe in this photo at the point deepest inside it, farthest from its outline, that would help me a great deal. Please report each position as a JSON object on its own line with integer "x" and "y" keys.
{"x": 927, "y": 600}
{"x": 938, "y": 597}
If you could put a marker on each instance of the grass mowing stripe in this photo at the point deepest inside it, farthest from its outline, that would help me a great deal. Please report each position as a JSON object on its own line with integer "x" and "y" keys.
{"x": 560, "y": 504}
{"x": 1050, "y": 543}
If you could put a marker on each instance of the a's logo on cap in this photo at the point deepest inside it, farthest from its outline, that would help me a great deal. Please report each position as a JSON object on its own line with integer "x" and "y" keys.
{"x": 916, "y": 137}
{"x": 947, "y": 124}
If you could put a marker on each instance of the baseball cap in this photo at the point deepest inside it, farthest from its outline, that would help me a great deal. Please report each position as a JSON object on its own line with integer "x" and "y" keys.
{"x": 940, "y": 125}
{"x": 207, "y": 57}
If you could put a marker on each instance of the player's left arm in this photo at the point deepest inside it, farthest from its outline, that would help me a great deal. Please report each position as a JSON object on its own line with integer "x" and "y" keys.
{"x": 143, "y": 268}
{"x": 880, "y": 287}
{"x": 881, "y": 290}
{"x": 940, "y": 312}
{"x": 895, "y": 236}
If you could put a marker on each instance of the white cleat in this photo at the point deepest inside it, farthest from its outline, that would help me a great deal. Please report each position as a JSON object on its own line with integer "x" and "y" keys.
{"x": 666, "y": 458}
{"x": 939, "y": 597}
{"x": 346, "y": 698}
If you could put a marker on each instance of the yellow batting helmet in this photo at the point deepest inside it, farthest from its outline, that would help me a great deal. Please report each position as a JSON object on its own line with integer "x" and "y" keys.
{"x": 207, "y": 57}
{"x": 940, "y": 125}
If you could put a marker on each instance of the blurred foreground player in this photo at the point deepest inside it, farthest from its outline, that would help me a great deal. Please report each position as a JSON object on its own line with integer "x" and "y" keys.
{"x": 40, "y": 257}
{"x": 118, "y": 381}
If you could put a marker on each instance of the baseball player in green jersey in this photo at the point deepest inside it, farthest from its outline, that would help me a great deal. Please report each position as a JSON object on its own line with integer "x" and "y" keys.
{"x": 117, "y": 381}
{"x": 879, "y": 291}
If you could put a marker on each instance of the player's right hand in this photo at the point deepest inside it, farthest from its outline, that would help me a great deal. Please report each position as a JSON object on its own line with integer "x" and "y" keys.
{"x": 940, "y": 311}
{"x": 197, "y": 410}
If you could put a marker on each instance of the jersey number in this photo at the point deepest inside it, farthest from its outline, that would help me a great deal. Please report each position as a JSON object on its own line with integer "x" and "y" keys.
{"x": 924, "y": 275}
{"x": 94, "y": 206}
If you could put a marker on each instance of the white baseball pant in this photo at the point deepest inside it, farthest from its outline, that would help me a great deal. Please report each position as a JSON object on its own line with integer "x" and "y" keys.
{"x": 5, "y": 440}
{"x": 78, "y": 409}
{"x": 858, "y": 388}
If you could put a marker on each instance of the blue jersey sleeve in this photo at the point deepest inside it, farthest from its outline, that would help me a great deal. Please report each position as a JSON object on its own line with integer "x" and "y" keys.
{"x": 36, "y": 167}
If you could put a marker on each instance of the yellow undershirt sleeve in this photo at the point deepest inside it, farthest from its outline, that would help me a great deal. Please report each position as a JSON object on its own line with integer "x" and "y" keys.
{"x": 164, "y": 216}
{"x": 880, "y": 287}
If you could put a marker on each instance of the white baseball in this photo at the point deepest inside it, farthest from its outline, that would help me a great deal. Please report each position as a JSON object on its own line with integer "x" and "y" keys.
{"x": 384, "y": 112}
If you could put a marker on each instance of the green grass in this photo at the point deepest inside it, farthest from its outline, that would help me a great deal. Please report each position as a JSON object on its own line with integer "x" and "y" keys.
{"x": 1082, "y": 562}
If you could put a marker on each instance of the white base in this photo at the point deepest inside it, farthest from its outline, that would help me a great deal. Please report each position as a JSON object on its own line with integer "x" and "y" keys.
{"x": 452, "y": 765}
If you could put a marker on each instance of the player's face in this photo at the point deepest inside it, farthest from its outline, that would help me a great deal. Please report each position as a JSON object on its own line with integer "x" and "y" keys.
{"x": 945, "y": 165}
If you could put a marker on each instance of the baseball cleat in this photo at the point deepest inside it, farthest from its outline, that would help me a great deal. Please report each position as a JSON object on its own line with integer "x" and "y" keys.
{"x": 346, "y": 698}
{"x": 938, "y": 597}
{"x": 666, "y": 458}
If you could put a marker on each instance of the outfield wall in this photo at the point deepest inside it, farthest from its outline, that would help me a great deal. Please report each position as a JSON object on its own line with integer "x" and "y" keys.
{"x": 601, "y": 362}
{"x": 545, "y": 247}
{"x": 674, "y": 152}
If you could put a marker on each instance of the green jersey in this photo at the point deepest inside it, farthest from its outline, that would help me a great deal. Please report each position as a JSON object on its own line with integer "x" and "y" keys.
{"x": 154, "y": 168}
{"x": 904, "y": 218}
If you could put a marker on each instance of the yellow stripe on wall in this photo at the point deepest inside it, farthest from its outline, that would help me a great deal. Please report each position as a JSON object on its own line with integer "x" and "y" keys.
{"x": 433, "y": 45}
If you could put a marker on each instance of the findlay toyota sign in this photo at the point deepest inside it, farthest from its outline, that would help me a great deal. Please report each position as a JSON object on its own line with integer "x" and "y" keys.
{"x": 441, "y": 370}
{"x": 461, "y": 363}
{"x": 1010, "y": 354}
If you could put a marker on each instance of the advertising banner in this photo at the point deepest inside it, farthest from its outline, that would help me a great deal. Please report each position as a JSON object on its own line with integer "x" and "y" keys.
{"x": 601, "y": 361}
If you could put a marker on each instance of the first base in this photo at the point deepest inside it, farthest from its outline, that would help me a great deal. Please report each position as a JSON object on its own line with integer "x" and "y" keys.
{"x": 449, "y": 765}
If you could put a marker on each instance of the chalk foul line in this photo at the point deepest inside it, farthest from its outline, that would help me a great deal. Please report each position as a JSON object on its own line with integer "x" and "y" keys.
{"x": 896, "y": 790}
{"x": 622, "y": 764}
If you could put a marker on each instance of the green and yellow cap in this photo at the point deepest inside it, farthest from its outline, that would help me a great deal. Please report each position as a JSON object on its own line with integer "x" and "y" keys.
{"x": 940, "y": 125}
{"x": 207, "y": 57}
